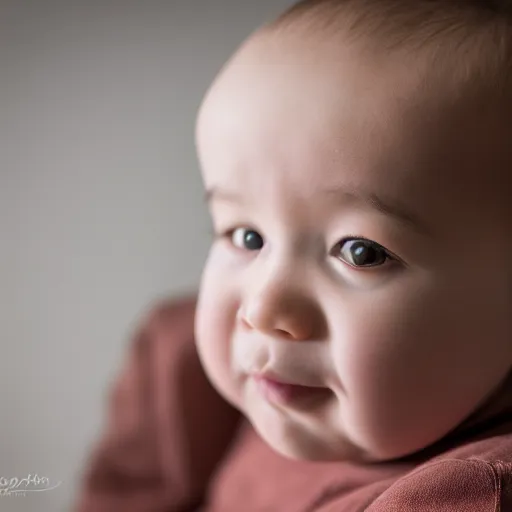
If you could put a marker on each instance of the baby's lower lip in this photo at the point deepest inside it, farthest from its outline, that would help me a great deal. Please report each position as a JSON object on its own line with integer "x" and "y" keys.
{"x": 286, "y": 394}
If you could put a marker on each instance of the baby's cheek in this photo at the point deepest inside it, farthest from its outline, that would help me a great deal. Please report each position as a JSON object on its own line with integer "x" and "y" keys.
{"x": 384, "y": 367}
{"x": 408, "y": 370}
{"x": 215, "y": 323}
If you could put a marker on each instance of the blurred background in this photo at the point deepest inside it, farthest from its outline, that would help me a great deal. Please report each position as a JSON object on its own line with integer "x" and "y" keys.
{"x": 101, "y": 208}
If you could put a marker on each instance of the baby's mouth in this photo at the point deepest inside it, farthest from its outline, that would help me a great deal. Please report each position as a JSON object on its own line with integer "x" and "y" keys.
{"x": 289, "y": 394}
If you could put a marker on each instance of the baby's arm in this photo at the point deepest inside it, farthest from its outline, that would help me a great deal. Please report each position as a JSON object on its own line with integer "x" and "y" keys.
{"x": 167, "y": 428}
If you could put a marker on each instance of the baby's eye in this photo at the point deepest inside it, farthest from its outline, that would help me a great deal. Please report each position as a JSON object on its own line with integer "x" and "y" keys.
{"x": 248, "y": 239}
{"x": 359, "y": 252}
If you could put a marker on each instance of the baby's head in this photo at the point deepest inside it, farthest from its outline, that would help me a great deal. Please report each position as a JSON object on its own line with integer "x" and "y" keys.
{"x": 357, "y": 157}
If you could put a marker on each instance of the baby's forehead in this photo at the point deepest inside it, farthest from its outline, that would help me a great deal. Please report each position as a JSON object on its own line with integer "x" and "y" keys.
{"x": 273, "y": 84}
{"x": 380, "y": 123}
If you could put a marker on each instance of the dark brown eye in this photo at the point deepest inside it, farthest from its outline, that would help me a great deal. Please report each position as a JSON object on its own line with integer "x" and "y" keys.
{"x": 362, "y": 253}
{"x": 248, "y": 239}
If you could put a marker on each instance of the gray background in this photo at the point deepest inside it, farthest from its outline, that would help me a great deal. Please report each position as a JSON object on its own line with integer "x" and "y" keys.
{"x": 101, "y": 205}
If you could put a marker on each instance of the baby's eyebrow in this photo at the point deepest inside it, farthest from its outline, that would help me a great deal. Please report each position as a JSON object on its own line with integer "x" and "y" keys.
{"x": 212, "y": 193}
{"x": 385, "y": 206}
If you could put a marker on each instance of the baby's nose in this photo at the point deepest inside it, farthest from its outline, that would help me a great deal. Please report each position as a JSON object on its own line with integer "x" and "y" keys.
{"x": 285, "y": 315}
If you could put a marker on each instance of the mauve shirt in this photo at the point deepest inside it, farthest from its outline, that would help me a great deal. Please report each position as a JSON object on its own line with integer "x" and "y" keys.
{"x": 171, "y": 444}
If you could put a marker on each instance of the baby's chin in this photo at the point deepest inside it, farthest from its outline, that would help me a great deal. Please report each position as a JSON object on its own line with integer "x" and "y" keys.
{"x": 311, "y": 437}
{"x": 298, "y": 437}
{"x": 294, "y": 441}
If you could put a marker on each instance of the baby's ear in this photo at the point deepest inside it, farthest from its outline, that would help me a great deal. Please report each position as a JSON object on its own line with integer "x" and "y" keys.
{"x": 445, "y": 486}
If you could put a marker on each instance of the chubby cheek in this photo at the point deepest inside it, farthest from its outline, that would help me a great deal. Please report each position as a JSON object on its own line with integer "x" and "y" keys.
{"x": 215, "y": 323}
{"x": 415, "y": 368}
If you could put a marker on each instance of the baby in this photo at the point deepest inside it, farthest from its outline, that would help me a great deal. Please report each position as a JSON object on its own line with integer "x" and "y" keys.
{"x": 356, "y": 303}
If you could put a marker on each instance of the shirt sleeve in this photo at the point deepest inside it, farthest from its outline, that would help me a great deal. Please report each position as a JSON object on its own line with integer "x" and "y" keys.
{"x": 445, "y": 486}
{"x": 166, "y": 428}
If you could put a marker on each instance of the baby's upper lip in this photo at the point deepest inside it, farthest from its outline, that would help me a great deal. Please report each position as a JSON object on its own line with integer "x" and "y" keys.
{"x": 276, "y": 377}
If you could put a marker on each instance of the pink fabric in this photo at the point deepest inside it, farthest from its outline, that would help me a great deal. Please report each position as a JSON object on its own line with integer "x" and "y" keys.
{"x": 171, "y": 444}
